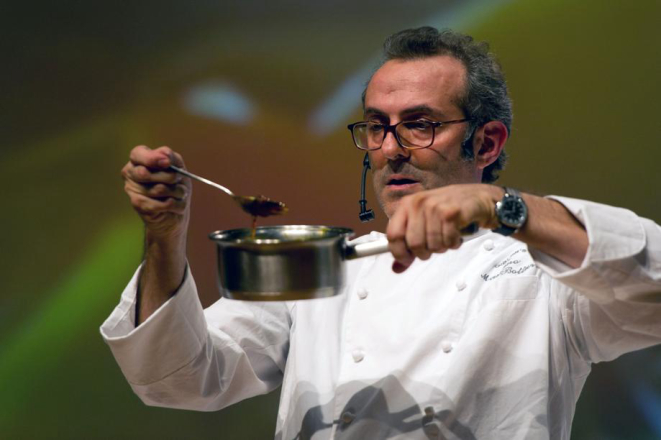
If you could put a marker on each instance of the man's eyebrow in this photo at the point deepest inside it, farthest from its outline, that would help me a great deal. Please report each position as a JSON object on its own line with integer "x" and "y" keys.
{"x": 418, "y": 109}
{"x": 421, "y": 109}
{"x": 371, "y": 111}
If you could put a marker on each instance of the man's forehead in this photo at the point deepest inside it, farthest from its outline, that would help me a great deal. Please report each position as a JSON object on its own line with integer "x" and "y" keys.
{"x": 445, "y": 65}
{"x": 427, "y": 84}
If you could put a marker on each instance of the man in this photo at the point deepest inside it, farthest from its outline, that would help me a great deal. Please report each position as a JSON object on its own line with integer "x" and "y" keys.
{"x": 489, "y": 335}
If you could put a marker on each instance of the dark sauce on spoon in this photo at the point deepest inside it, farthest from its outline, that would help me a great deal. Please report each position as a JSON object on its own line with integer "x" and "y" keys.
{"x": 261, "y": 206}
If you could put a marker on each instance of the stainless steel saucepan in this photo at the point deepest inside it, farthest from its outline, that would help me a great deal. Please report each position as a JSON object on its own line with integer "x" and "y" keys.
{"x": 282, "y": 263}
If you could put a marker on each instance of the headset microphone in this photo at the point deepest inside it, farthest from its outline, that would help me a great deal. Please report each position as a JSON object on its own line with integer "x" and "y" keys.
{"x": 365, "y": 215}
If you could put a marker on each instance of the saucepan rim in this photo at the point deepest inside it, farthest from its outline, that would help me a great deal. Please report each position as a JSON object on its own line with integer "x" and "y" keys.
{"x": 280, "y": 235}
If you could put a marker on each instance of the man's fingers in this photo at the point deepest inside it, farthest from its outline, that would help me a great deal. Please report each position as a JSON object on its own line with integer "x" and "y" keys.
{"x": 145, "y": 156}
{"x": 396, "y": 233}
{"x": 177, "y": 206}
{"x": 434, "y": 230}
{"x": 158, "y": 191}
{"x": 161, "y": 197}
{"x": 416, "y": 238}
{"x": 401, "y": 252}
{"x": 451, "y": 235}
{"x": 144, "y": 175}
{"x": 431, "y": 221}
{"x": 398, "y": 267}
{"x": 151, "y": 188}
{"x": 171, "y": 158}
{"x": 158, "y": 159}
{"x": 149, "y": 207}
{"x": 177, "y": 160}
{"x": 161, "y": 191}
{"x": 451, "y": 232}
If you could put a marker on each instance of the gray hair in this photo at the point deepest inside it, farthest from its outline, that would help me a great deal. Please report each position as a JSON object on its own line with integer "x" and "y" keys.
{"x": 485, "y": 99}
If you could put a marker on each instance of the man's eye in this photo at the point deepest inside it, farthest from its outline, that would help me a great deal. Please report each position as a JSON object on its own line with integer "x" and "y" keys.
{"x": 416, "y": 125}
{"x": 375, "y": 128}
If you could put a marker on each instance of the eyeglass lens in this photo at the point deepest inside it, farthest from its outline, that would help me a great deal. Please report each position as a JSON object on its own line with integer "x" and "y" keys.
{"x": 413, "y": 134}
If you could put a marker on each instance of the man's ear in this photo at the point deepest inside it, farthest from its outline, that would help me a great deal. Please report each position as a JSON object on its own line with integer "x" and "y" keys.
{"x": 489, "y": 141}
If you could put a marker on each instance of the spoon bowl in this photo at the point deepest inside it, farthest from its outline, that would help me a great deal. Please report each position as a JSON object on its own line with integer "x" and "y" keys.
{"x": 256, "y": 206}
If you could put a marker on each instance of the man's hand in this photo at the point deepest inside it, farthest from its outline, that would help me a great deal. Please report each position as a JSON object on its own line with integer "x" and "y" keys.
{"x": 431, "y": 222}
{"x": 162, "y": 198}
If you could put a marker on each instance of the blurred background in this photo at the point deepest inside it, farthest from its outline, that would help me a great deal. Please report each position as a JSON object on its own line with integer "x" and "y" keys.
{"x": 256, "y": 95}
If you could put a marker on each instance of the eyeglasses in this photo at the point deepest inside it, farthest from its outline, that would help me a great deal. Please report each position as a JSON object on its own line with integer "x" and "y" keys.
{"x": 412, "y": 135}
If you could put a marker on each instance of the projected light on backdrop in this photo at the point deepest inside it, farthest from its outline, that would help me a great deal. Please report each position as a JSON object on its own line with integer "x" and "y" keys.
{"x": 342, "y": 103}
{"x": 220, "y": 100}
{"x": 277, "y": 81}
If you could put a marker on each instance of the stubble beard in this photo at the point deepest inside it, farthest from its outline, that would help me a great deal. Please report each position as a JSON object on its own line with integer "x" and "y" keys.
{"x": 456, "y": 173}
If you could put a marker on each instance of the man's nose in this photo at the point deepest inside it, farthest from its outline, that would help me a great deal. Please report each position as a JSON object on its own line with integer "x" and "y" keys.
{"x": 391, "y": 148}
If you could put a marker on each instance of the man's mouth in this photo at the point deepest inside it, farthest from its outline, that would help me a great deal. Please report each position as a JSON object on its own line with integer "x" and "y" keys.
{"x": 400, "y": 182}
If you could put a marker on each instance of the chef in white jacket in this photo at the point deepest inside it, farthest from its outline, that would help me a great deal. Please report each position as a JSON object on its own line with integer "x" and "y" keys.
{"x": 490, "y": 335}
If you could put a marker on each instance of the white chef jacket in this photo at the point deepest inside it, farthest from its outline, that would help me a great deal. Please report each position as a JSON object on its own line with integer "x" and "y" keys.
{"x": 492, "y": 340}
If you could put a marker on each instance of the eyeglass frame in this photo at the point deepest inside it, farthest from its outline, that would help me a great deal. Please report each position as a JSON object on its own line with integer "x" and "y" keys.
{"x": 393, "y": 129}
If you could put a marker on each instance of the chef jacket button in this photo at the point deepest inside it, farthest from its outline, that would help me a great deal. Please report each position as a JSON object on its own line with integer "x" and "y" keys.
{"x": 357, "y": 355}
{"x": 461, "y": 285}
{"x": 362, "y": 293}
{"x": 347, "y": 417}
{"x": 488, "y": 245}
{"x": 446, "y": 346}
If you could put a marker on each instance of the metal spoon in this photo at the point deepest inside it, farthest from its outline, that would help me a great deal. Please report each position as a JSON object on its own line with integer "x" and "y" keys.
{"x": 253, "y": 205}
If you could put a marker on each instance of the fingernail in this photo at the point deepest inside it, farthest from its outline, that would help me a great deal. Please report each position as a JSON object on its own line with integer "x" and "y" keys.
{"x": 163, "y": 163}
{"x": 398, "y": 267}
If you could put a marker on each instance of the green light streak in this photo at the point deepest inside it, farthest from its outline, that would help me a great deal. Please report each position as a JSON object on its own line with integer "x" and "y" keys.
{"x": 69, "y": 311}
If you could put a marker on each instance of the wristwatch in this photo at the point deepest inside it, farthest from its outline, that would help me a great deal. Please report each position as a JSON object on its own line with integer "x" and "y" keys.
{"x": 511, "y": 211}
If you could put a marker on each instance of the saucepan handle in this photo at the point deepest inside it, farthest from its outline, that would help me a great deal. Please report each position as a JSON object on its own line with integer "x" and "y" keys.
{"x": 380, "y": 246}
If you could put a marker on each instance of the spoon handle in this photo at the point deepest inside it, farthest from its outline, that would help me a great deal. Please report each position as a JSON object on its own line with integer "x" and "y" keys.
{"x": 201, "y": 179}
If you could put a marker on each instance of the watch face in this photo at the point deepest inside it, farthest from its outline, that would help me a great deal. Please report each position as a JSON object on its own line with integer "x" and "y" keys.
{"x": 513, "y": 212}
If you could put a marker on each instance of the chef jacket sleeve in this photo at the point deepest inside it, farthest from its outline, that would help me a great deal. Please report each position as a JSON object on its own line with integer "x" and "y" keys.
{"x": 184, "y": 357}
{"x": 611, "y": 304}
